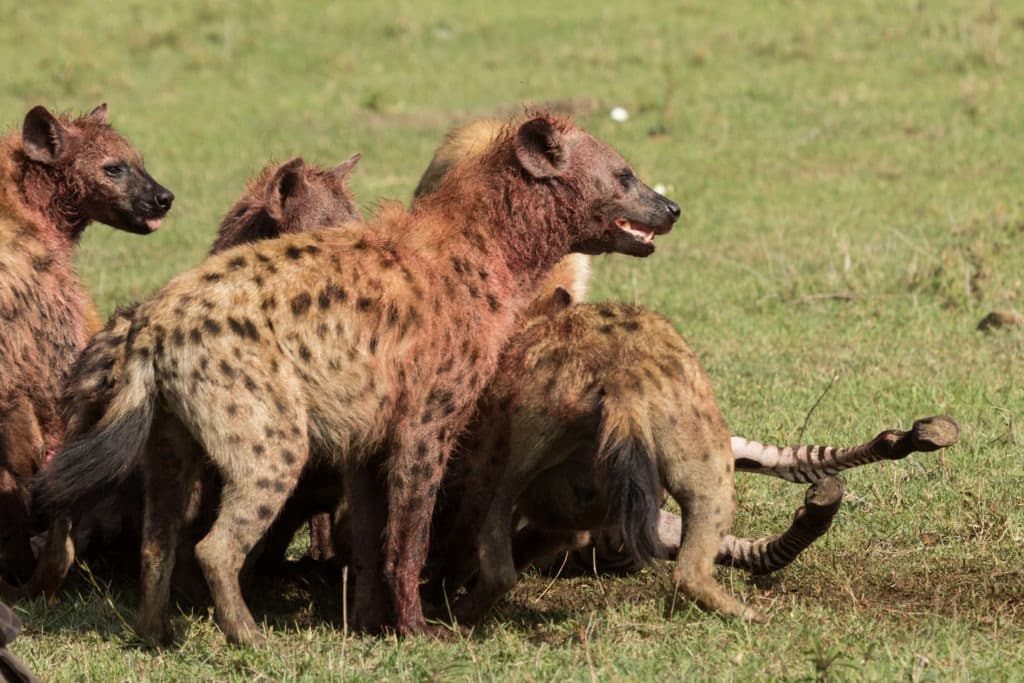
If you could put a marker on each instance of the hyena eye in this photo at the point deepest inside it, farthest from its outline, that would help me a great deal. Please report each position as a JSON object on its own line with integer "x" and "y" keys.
{"x": 625, "y": 178}
{"x": 114, "y": 170}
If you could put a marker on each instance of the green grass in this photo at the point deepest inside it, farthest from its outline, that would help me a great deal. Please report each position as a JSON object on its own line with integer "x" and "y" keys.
{"x": 850, "y": 176}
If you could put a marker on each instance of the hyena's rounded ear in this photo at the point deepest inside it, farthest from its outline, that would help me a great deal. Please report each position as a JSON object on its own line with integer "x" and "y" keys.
{"x": 342, "y": 170}
{"x": 43, "y": 138}
{"x": 287, "y": 182}
{"x": 99, "y": 115}
{"x": 539, "y": 148}
{"x": 561, "y": 298}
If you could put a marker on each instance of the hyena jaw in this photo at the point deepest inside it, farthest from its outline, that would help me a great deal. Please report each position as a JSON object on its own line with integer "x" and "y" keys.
{"x": 813, "y": 463}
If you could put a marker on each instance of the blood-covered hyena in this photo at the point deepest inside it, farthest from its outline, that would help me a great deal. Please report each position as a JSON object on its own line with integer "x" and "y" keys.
{"x": 57, "y": 175}
{"x": 594, "y": 409}
{"x": 282, "y": 199}
{"x": 368, "y": 347}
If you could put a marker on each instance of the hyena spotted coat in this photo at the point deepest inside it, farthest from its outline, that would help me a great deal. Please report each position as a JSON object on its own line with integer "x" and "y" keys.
{"x": 283, "y": 198}
{"x": 594, "y": 409}
{"x": 369, "y": 346}
{"x": 57, "y": 175}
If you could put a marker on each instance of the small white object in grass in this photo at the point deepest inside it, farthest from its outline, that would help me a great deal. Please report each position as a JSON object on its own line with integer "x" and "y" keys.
{"x": 660, "y": 189}
{"x": 619, "y": 114}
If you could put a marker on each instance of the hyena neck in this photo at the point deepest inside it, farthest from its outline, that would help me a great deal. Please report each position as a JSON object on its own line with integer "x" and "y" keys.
{"x": 525, "y": 224}
{"x": 53, "y": 194}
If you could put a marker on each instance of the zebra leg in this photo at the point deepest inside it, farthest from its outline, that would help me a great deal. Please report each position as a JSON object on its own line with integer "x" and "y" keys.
{"x": 813, "y": 463}
{"x": 769, "y": 554}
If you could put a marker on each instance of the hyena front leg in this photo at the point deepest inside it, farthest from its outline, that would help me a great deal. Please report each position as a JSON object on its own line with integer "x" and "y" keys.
{"x": 169, "y": 475}
{"x": 414, "y": 478}
{"x": 812, "y": 463}
{"x": 260, "y": 456}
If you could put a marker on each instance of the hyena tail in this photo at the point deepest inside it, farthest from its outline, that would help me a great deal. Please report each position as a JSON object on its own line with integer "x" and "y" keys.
{"x": 108, "y": 452}
{"x": 627, "y": 470}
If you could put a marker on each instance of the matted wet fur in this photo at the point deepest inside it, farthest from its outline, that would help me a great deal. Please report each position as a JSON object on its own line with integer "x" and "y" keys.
{"x": 57, "y": 175}
{"x": 283, "y": 198}
{"x": 367, "y": 348}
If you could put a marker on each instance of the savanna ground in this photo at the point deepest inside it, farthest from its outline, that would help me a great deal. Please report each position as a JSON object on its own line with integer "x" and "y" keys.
{"x": 852, "y": 190}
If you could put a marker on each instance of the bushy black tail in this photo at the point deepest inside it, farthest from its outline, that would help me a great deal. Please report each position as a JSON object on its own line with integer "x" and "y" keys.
{"x": 105, "y": 455}
{"x": 629, "y": 474}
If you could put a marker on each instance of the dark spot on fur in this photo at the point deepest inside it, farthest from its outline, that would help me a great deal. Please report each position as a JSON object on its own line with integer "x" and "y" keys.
{"x": 236, "y": 262}
{"x": 305, "y": 353}
{"x": 421, "y": 449}
{"x": 264, "y": 512}
{"x": 212, "y": 277}
{"x": 301, "y": 303}
{"x": 364, "y": 304}
{"x": 262, "y": 258}
{"x": 178, "y": 337}
{"x": 605, "y": 329}
{"x": 492, "y": 301}
{"x": 259, "y": 450}
{"x": 227, "y": 370}
{"x": 232, "y": 409}
{"x": 269, "y": 303}
{"x": 211, "y": 326}
{"x": 288, "y": 457}
{"x": 373, "y": 344}
{"x": 630, "y": 325}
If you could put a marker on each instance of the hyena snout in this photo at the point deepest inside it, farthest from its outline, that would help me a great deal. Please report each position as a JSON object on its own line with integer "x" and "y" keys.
{"x": 634, "y": 219}
{"x": 139, "y": 203}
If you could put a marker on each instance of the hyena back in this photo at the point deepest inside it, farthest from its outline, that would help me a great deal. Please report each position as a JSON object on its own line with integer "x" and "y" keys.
{"x": 57, "y": 176}
{"x": 368, "y": 345}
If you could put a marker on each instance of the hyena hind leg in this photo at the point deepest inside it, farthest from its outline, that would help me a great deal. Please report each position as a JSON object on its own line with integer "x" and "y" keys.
{"x": 169, "y": 475}
{"x": 254, "y": 491}
{"x": 703, "y": 488}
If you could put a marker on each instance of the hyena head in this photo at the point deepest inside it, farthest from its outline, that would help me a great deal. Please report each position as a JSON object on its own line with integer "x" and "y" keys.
{"x": 621, "y": 213}
{"x": 97, "y": 173}
{"x": 290, "y": 197}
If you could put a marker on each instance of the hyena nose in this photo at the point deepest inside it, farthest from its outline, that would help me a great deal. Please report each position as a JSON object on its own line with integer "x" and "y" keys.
{"x": 164, "y": 198}
{"x": 673, "y": 209}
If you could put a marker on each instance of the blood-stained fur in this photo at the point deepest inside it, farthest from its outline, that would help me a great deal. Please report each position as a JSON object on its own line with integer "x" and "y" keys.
{"x": 282, "y": 199}
{"x": 57, "y": 175}
{"x": 366, "y": 347}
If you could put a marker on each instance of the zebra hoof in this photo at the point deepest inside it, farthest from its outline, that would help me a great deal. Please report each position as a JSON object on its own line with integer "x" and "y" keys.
{"x": 821, "y": 503}
{"x": 933, "y": 433}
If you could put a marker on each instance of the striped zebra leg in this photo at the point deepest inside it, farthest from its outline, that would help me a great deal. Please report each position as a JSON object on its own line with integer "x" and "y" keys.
{"x": 813, "y": 463}
{"x": 769, "y": 554}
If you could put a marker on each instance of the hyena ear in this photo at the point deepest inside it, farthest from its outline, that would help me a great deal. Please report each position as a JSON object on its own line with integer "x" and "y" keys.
{"x": 43, "y": 137}
{"x": 287, "y": 182}
{"x": 561, "y": 299}
{"x": 342, "y": 170}
{"x": 99, "y": 115}
{"x": 539, "y": 148}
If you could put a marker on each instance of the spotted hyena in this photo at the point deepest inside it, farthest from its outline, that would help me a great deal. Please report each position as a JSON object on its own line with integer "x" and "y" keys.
{"x": 283, "y": 198}
{"x": 57, "y": 175}
{"x": 366, "y": 347}
{"x": 594, "y": 409}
